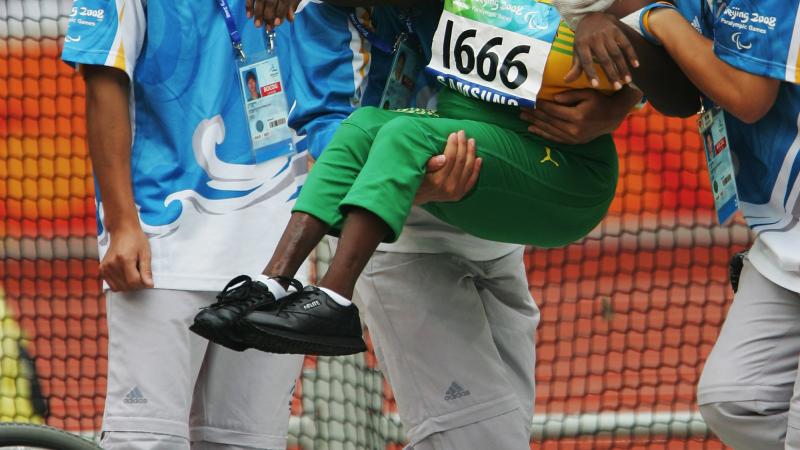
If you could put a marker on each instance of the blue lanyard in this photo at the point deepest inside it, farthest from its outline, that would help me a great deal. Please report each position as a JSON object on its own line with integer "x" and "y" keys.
{"x": 377, "y": 41}
{"x": 236, "y": 38}
{"x": 707, "y": 16}
{"x": 233, "y": 31}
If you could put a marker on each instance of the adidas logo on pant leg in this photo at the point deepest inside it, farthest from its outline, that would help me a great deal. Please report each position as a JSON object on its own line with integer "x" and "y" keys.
{"x": 455, "y": 391}
{"x": 135, "y": 397}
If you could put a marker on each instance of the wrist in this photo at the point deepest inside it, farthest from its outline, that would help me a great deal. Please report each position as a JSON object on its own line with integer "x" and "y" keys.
{"x": 657, "y": 22}
{"x": 122, "y": 224}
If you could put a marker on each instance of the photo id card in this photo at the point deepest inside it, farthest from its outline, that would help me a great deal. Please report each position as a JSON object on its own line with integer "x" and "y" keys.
{"x": 265, "y": 105}
{"x": 402, "y": 82}
{"x": 720, "y": 163}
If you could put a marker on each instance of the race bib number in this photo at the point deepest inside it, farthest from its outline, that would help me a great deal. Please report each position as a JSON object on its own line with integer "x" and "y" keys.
{"x": 494, "y": 50}
{"x": 265, "y": 104}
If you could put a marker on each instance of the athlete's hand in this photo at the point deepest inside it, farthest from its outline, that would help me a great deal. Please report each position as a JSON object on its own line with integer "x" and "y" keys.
{"x": 580, "y": 116}
{"x": 599, "y": 38}
{"x": 451, "y": 175}
{"x": 126, "y": 264}
{"x": 271, "y": 13}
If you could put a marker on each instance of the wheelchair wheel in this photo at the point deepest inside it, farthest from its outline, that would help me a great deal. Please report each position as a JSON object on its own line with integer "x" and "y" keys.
{"x": 27, "y": 436}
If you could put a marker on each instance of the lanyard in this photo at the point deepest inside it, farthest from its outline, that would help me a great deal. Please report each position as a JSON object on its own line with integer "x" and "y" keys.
{"x": 233, "y": 31}
{"x": 376, "y": 40}
{"x": 707, "y": 16}
{"x": 236, "y": 38}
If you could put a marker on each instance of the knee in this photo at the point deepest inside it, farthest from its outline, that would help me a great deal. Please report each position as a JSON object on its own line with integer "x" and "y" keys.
{"x": 747, "y": 424}
{"x": 364, "y": 117}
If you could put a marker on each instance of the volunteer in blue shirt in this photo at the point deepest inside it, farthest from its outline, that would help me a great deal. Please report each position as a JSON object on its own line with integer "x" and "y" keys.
{"x": 743, "y": 56}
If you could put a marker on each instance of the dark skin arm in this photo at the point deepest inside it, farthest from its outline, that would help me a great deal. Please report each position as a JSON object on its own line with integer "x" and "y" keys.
{"x": 602, "y": 37}
{"x": 580, "y": 116}
{"x": 272, "y": 13}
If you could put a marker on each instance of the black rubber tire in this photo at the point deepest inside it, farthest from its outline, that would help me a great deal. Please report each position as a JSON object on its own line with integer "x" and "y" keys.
{"x": 41, "y": 436}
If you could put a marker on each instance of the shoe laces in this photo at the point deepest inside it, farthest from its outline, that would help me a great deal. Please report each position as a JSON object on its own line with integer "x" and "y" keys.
{"x": 241, "y": 287}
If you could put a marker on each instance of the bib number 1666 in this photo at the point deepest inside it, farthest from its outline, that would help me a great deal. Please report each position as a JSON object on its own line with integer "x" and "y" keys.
{"x": 486, "y": 64}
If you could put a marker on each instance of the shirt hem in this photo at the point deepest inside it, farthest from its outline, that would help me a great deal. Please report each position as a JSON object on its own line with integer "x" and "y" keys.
{"x": 763, "y": 258}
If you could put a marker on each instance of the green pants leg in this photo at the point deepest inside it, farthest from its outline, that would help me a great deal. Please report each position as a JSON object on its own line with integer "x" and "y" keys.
{"x": 529, "y": 191}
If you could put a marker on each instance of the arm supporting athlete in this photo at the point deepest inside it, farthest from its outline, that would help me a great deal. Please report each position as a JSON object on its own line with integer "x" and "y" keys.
{"x": 657, "y": 75}
{"x": 748, "y": 97}
{"x": 354, "y": 3}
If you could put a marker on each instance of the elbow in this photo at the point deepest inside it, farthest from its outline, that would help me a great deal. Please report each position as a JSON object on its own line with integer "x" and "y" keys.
{"x": 749, "y": 114}
{"x": 750, "y": 107}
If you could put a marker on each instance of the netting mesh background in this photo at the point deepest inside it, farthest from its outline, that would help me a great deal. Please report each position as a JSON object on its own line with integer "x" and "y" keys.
{"x": 629, "y": 314}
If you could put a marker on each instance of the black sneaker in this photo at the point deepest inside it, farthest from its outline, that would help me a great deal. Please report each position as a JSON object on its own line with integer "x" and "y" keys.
{"x": 306, "y": 323}
{"x": 240, "y": 296}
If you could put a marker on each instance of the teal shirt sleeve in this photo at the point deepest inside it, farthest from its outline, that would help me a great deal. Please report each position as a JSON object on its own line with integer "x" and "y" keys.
{"x": 761, "y": 37}
{"x": 106, "y": 33}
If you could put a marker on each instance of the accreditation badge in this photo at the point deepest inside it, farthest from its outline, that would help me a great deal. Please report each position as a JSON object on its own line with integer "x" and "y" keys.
{"x": 720, "y": 163}
{"x": 402, "y": 82}
{"x": 265, "y": 105}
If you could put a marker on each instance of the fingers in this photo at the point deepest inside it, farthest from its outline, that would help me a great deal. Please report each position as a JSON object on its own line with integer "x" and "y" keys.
{"x": 461, "y": 147}
{"x": 248, "y": 7}
{"x": 474, "y": 176}
{"x": 544, "y": 107}
{"x": 450, "y": 151}
{"x": 618, "y": 61}
{"x": 145, "y": 270}
{"x": 574, "y": 96}
{"x": 435, "y": 164}
{"x": 556, "y": 131}
{"x": 605, "y": 62}
{"x": 262, "y": 12}
{"x": 587, "y": 64}
{"x": 469, "y": 161}
{"x": 121, "y": 273}
{"x": 281, "y": 11}
{"x": 257, "y": 12}
{"x": 627, "y": 48}
{"x": 110, "y": 277}
{"x": 575, "y": 70}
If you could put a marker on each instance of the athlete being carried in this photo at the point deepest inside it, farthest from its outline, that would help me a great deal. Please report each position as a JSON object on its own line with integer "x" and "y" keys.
{"x": 530, "y": 190}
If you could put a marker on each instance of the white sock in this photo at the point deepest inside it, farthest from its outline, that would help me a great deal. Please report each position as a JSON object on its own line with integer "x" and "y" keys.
{"x": 336, "y": 297}
{"x": 277, "y": 290}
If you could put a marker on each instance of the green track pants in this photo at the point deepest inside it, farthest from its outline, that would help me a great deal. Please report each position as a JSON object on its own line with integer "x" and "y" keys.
{"x": 529, "y": 191}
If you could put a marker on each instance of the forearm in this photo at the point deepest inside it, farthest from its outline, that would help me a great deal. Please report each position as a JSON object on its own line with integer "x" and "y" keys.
{"x": 109, "y": 138}
{"x": 746, "y": 96}
{"x": 661, "y": 80}
{"x": 354, "y": 3}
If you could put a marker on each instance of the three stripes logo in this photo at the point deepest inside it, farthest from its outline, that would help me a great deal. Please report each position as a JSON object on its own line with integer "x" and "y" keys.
{"x": 455, "y": 391}
{"x": 135, "y": 397}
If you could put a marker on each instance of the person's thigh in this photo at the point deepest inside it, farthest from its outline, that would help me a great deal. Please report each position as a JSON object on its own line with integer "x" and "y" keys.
{"x": 527, "y": 192}
{"x": 748, "y": 381}
{"x": 756, "y": 353}
{"x": 513, "y": 317}
{"x": 432, "y": 339}
{"x": 242, "y": 398}
{"x": 153, "y": 362}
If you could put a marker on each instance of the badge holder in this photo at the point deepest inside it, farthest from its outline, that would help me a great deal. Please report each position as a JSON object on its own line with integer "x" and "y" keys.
{"x": 720, "y": 163}
{"x": 401, "y": 85}
{"x": 265, "y": 104}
